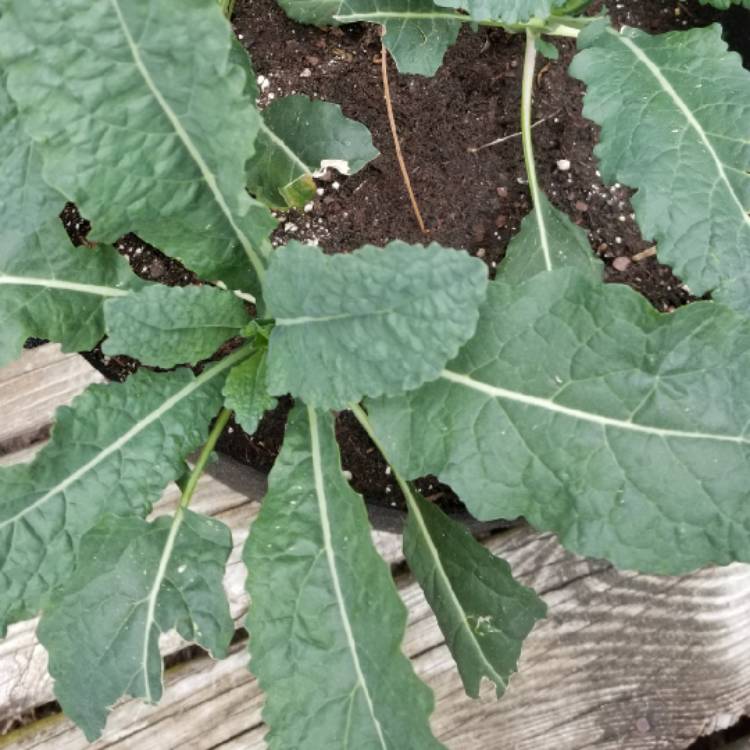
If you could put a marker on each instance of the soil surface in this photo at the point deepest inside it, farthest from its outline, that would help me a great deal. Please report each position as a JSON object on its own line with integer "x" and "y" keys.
{"x": 470, "y": 199}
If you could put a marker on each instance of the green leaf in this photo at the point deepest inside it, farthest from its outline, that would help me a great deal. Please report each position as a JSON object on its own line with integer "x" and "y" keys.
{"x": 547, "y": 49}
{"x": 135, "y": 581}
{"x": 189, "y": 112}
{"x": 113, "y": 451}
{"x": 548, "y": 239}
{"x": 246, "y": 392}
{"x": 52, "y": 290}
{"x": 165, "y": 326}
{"x": 675, "y": 117}
{"x": 376, "y": 321}
{"x": 508, "y": 11}
{"x": 315, "y": 12}
{"x": 484, "y": 614}
{"x": 28, "y": 201}
{"x": 580, "y": 407}
{"x": 325, "y": 619}
{"x": 417, "y": 32}
{"x": 726, "y": 4}
{"x": 299, "y": 137}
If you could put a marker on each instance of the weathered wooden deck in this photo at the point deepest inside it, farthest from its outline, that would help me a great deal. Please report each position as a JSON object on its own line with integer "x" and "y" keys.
{"x": 623, "y": 660}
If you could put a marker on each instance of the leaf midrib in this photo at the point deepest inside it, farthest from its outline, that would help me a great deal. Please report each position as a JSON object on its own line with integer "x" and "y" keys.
{"x": 153, "y": 596}
{"x": 546, "y": 404}
{"x": 124, "y": 439}
{"x": 281, "y": 143}
{"x": 68, "y": 286}
{"x": 320, "y": 493}
{"x": 448, "y": 586}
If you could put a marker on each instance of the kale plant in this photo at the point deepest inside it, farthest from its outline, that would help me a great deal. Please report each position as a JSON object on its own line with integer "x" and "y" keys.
{"x": 543, "y": 393}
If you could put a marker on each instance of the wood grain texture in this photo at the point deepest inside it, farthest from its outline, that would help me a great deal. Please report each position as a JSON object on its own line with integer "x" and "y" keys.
{"x": 32, "y": 387}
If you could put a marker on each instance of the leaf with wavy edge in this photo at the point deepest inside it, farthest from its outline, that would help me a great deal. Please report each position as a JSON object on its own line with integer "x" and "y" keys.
{"x": 325, "y": 619}
{"x": 55, "y": 291}
{"x": 190, "y": 113}
{"x": 165, "y": 326}
{"x": 370, "y": 322}
{"x": 548, "y": 239}
{"x": 135, "y": 581}
{"x": 298, "y": 137}
{"x": 483, "y": 612}
{"x": 580, "y": 407}
{"x": 113, "y": 451}
{"x": 508, "y": 11}
{"x": 246, "y": 393}
{"x": 28, "y": 202}
{"x": 675, "y": 117}
{"x": 417, "y": 32}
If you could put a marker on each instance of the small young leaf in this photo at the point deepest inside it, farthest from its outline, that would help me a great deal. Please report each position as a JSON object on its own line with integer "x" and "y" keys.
{"x": 484, "y": 614}
{"x": 52, "y": 290}
{"x": 417, "y": 32}
{"x": 376, "y": 321}
{"x": 246, "y": 393}
{"x": 135, "y": 581}
{"x": 325, "y": 619}
{"x": 580, "y": 407}
{"x": 190, "y": 112}
{"x": 547, "y": 49}
{"x": 675, "y": 117}
{"x": 507, "y": 11}
{"x": 548, "y": 239}
{"x": 298, "y": 136}
{"x": 165, "y": 326}
{"x": 113, "y": 451}
{"x": 28, "y": 201}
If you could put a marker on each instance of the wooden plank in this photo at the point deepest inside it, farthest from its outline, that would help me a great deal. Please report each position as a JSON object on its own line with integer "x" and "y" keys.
{"x": 623, "y": 661}
{"x": 32, "y": 387}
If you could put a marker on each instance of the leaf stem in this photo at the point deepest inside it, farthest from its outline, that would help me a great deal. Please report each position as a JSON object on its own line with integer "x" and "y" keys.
{"x": 527, "y": 89}
{"x": 565, "y": 26}
{"x": 361, "y": 416}
{"x": 188, "y": 485}
{"x": 192, "y": 481}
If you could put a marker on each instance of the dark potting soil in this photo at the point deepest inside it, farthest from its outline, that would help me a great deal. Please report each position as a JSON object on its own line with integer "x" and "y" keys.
{"x": 472, "y": 196}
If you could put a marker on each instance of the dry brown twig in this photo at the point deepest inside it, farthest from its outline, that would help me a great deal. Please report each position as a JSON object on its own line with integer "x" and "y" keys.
{"x": 397, "y": 142}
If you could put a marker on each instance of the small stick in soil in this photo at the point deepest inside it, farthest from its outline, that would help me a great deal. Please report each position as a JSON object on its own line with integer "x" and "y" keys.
{"x": 649, "y": 252}
{"x": 502, "y": 139}
{"x": 397, "y": 142}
